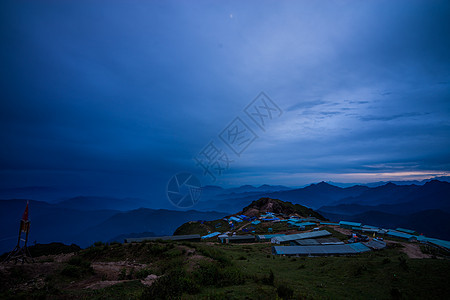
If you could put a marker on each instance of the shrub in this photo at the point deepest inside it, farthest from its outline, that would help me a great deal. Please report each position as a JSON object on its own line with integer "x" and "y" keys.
{"x": 285, "y": 292}
{"x": 72, "y": 271}
{"x": 270, "y": 279}
{"x": 142, "y": 273}
{"x": 78, "y": 261}
{"x": 171, "y": 285}
{"x": 403, "y": 263}
{"x": 122, "y": 274}
{"x": 77, "y": 268}
{"x": 215, "y": 254}
{"x": 212, "y": 274}
{"x": 98, "y": 244}
{"x": 395, "y": 293}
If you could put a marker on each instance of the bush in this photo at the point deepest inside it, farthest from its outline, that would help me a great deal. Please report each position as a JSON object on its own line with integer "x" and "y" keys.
{"x": 395, "y": 293}
{"x": 403, "y": 263}
{"x": 171, "y": 285}
{"x": 98, "y": 244}
{"x": 285, "y": 292}
{"x": 72, "y": 271}
{"x": 122, "y": 274}
{"x": 142, "y": 273}
{"x": 270, "y": 279}
{"x": 386, "y": 261}
{"x": 215, "y": 254}
{"x": 78, "y": 261}
{"x": 212, "y": 274}
{"x": 77, "y": 268}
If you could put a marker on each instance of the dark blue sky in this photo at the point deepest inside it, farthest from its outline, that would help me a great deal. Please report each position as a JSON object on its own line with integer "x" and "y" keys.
{"x": 114, "y": 98}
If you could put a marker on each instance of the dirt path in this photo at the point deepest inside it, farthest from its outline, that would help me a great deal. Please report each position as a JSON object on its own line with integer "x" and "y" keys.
{"x": 412, "y": 250}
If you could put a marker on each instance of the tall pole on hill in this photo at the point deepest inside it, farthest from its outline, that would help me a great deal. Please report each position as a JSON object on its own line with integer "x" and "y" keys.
{"x": 21, "y": 252}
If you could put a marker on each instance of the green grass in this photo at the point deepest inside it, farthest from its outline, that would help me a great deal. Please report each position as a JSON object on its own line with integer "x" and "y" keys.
{"x": 364, "y": 276}
{"x": 239, "y": 271}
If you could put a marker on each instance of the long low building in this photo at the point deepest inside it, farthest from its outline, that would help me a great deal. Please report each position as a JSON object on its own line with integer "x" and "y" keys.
{"x": 299, "y": 236}
{"x": 267, "y": 237}
{"x": 190, "y": 237}
{"x": 320, "y": 250}
{"x": 401, "y": 235}
{"x": 320, "y": 241}
{"x": 225, "y": 239}
{"x": 437, "y": 242}
{"x": 213, "y": 234}
{"x": 349, "y": 225}
{"x": 376, "y": 244}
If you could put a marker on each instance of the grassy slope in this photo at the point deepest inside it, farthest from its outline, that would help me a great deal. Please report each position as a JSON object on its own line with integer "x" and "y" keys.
{"x": 383, "y": 274}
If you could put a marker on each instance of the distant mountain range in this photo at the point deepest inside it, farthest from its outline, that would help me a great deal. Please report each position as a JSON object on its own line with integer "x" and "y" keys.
{"x": 83, "y": 226}
{"x": 425, "y": 208}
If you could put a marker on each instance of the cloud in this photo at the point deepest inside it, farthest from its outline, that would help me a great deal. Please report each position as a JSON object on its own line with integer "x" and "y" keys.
{"x": 127, "y": 95}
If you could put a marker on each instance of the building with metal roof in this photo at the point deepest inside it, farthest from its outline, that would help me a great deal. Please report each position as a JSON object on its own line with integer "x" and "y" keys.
{"x": 306, "y": 224}
{"x": 267, "y": 237}
{"x": 317, "y": 242}
{"x": 305, "y": 242}
{"x": 369, "y": 226}
{"x": 213, "y": 234}
{"x": 319, "y": 250}
{"x": 359, "y": 247}
{"x": 401, "y": 235}
{"x": 436, "y": 242}
{"x": 225, "y": 239}
{"x": 375, "y": 244}
{"x": 235, "y": 219}
{"x": 349, "y": 225}
{"x": 299, "y": 236}
{"x": 330, "y": 241}
{"x": 408, "y": 231}
{"x": 328, "y": 223}
{"x": 190, "y": 237}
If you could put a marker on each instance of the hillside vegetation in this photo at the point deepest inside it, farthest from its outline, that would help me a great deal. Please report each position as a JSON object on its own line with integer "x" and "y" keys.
{"x": 215, "y": 271}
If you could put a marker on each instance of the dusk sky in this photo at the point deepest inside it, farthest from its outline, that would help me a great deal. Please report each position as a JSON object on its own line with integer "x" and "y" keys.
{"x": 114, "y": 98}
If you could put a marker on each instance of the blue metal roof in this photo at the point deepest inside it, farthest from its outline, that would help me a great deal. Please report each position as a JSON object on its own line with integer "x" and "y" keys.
{"x": 409, "y": 231}
{"x": 326, "y": 223}
{"x": 306, "y": 224}
{"x": 235, "y": 219}
{"x": 268, "y": 236}
{"x": 270, "y": 219}
{"x": 316, "y": 250}
{"x": 441, "y": 243}
{"x": 300, "y": 236}
{"x": 375, "y": 244}
{"x": 353, "y": 224}
{"x": 369, "y": 226}
{"x": 358, "y": 247}
{"x": 400, "y": 234}
{"x": 210, "y": 235}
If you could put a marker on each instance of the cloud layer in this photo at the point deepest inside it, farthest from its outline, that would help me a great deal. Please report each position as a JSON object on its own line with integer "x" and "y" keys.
{"x": 116, "y": 98}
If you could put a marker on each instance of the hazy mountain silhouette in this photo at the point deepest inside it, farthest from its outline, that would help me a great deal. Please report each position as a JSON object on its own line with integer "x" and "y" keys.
{"x": 54, "y": 223}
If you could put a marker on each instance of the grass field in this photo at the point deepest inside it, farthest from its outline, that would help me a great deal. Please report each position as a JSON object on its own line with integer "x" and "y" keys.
{"x": 207, "y": 270}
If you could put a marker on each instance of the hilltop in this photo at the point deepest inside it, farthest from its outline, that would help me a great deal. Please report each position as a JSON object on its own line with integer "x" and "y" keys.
{"x": 277, "y": 206}
{"x": 254, "y": 210}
